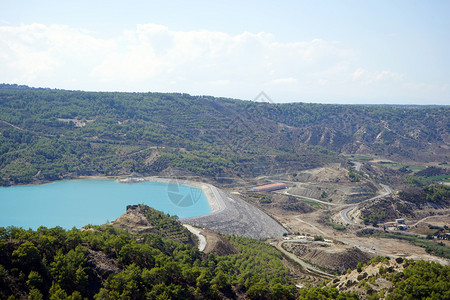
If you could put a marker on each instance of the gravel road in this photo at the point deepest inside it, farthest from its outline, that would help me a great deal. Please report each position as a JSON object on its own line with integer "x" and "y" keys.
{"x": 201, "y": 237}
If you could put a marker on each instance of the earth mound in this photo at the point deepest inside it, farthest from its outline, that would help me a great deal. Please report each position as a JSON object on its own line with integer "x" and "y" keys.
{"x": 217, "y": 244}
{"x": 338, "y": 259}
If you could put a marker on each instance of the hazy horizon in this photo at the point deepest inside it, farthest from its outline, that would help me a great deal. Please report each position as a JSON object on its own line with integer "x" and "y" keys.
{"x": 256, "y": 99}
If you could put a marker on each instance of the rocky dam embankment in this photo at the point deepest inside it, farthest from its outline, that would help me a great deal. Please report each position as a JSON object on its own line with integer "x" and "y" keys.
{"x": 237, "y": 217}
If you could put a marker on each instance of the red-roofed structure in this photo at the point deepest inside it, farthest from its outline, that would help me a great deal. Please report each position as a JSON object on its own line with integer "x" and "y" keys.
{"x": 269, "y": 187}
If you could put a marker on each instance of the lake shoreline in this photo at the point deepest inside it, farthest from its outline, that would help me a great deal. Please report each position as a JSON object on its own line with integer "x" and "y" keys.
{"x": 92, "y": 200}
{"x": 87, "y": 177}
{"x": 215, "y": 204}
{"x": 214, "y": 200}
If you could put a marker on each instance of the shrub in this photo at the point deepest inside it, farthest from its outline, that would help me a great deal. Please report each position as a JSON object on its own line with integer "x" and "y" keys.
{"x": 377, "y": 260}
{"x": 362, "y": 276}
{"x": 359, "y": 267}
{"x": 318, "y": 238}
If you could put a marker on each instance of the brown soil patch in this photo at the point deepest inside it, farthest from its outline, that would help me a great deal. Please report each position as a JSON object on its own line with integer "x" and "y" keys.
{"x": 216, "y": 244}
{"x": 331, "y": 173}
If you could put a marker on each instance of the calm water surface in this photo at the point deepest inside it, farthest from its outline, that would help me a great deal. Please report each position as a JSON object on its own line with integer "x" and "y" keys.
{"x": 81, "y": 202}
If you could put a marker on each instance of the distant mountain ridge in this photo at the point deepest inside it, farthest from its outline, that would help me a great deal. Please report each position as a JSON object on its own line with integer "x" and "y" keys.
{"x": 50, "y": 134}
{"x": 8, "y": 86}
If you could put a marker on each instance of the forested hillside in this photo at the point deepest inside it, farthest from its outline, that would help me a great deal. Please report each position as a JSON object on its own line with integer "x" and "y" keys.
{"x": 53, "y": 134}
{"x": 102, "y": 262}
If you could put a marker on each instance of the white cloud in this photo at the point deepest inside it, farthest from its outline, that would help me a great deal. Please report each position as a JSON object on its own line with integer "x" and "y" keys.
{"x": 359, "y": 74}
{"x": 154, "y": 52}
{"x": 368, "y": 77}
{"x": 35, "y": 51}
{"x": 220, "y": 82}
{"x": 284, "y": 80}
{"x": 155, "y": 58}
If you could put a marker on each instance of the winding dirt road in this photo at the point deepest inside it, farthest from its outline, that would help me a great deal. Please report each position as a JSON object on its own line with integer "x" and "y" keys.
{"x": 201, "y": 237}
{"x": 305, "y": 265}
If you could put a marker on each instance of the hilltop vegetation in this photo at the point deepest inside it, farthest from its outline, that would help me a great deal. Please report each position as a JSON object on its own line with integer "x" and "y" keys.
{"x": 54, "y": 134}
{"x": 103, "y": 262}
{"x": 384, "y": 278}
{"x": 144, "y": 219}
{"x": 436, "y": 194}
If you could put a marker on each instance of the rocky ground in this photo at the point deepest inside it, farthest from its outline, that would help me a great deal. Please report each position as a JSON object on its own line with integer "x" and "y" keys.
{"x": 238, "y": 218}
{"x": 367, "y": 281}
{"x": 217, "y": 244}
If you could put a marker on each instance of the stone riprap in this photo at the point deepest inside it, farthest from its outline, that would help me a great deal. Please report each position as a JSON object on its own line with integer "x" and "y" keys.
{"x": 237, "y": 217}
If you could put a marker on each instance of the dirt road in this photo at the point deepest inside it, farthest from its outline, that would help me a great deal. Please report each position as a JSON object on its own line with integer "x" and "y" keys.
{"x": 201, "y": 237}
{"x": 344, "y": 212}
{"x": 279, "y": 246}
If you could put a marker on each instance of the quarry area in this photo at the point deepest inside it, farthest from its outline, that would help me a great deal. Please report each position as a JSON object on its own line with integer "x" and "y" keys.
{"x": 323, "y": 211}
{"x": 316, "y": 218}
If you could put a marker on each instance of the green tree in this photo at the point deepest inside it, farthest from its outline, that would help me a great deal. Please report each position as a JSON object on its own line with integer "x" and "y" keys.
{"x": 35, "y": 294}
{"x": 27, "y": 256}
{"x": 57, "y": 293}
{"x": 359, "y": 267}
{"x": 70, "y": 269}
{"x": 259, "y": 290}
{"x": 34, "y": 280}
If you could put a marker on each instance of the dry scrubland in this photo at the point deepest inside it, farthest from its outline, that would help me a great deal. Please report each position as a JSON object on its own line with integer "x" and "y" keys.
{"x": 323, "y": 217}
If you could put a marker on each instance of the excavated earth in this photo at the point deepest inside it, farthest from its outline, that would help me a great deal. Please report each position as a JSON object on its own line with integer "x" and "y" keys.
{"x": 338, "y": 259}
{"x": 217, "y": 244}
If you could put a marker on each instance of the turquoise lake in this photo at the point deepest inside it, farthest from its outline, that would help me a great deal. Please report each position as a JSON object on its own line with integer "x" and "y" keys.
{"x": 80, "y": 202}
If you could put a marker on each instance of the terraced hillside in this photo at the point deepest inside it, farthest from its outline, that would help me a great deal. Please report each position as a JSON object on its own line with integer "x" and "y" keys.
{"x": 55, "y": 134}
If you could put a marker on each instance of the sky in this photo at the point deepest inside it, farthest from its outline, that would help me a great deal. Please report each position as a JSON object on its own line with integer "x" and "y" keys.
{"x": 365, "y": 52}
